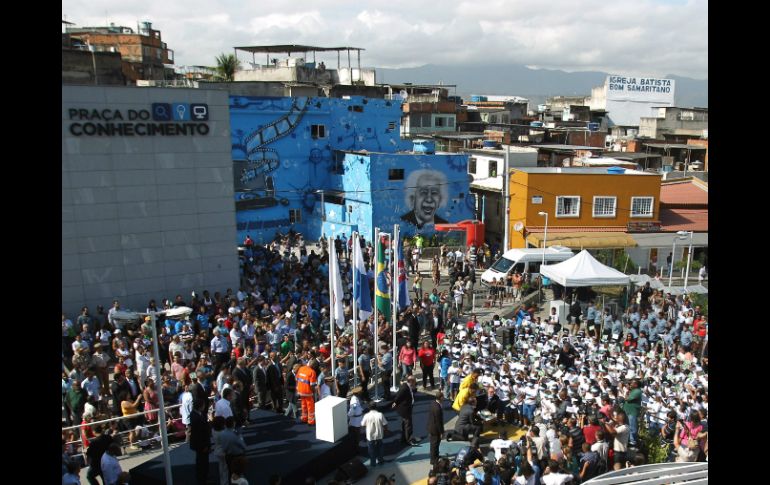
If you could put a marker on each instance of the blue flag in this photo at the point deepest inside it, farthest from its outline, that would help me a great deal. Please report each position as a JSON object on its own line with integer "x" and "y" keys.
{"x": 403, "y": 292}
{"x": 361, "y": 293}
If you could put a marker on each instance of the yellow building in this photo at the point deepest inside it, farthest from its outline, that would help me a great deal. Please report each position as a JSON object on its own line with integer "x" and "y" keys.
{"x": 586, "y": 207}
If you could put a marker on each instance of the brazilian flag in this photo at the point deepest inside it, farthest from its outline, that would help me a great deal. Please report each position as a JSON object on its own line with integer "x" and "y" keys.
{"x": 382, "y": 283}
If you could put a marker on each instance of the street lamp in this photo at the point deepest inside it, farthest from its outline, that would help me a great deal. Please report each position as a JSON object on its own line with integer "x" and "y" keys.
{"x": 545, "y": 240}
{"x": 178, "y": 312}
{"x": 673, "y": 254}
{"x": 684, "y": 234}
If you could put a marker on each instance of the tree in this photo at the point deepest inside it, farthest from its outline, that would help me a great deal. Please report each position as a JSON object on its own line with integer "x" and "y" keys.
{"x": 227, "y": 64}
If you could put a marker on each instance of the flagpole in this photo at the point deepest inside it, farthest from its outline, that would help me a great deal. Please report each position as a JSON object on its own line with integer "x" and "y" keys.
{"x": 396, "y": 231}
{"x": 374, "y": 308}
{"x": 356, "y": 286}
{"x": 332, "y": 296}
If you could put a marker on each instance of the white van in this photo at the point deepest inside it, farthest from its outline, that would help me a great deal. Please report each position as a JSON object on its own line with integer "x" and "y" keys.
{"x": 525, "y": 261}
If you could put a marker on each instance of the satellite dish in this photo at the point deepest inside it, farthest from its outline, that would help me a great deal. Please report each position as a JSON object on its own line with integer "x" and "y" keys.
{"x": 518, "y": 226}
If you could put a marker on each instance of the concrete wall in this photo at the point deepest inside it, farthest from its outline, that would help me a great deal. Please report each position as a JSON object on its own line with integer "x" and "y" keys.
{"x": 145, "y": 216}
{"x": 77, "y": 67}
{"x": 289, "y": 74}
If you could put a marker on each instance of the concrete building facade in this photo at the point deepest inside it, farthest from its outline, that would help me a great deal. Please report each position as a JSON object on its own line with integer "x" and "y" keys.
{"x": 147, "y": 195}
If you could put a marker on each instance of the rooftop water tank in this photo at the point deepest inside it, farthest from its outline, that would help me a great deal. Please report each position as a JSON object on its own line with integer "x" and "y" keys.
{"x": 425, "y": 146}
{"x": 489, "y": 144}
{"x": 616, "y": 170}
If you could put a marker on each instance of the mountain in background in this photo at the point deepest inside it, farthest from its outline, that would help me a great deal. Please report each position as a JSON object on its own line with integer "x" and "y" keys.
{"x": 533, "y": 84}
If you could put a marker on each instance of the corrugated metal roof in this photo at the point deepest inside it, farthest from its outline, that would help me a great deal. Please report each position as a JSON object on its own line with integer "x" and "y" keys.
{"x": 655, "y": 474}
{"x": 293, "y": 48}
{"x": 675, "y": 145}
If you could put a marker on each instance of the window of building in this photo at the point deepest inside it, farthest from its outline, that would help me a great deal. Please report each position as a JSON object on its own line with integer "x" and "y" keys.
{"x": 642, "y": 206}
{"x": 391, "y": 125}
{"x": 505, "y": 119}
{"x": 568, "y": 206}
{"x": 493, "y": 168}
{"x": 295, "y": 216}
{"x": 451, "y": 122}
{"x": 604, "y": 206}
{"x": 439, "y": 121}
{"x": 318, "y": 131}
{"x": 426, "y": 120}
{"x": 493, "y": 118}
{"x": 396, "y": 174}
{"x": 472, "y": 166}
{"x": 338, "y": 163}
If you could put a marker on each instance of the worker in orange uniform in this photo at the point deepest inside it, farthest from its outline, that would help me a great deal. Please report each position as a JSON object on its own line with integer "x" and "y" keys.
{"x": 307, "y": 386}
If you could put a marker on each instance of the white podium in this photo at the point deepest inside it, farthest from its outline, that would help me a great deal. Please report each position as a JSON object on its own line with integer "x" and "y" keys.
{"x": 331, "y": 418}
{"x": 562, "y": 310}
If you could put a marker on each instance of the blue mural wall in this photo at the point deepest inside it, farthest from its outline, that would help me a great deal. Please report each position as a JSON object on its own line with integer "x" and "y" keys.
{"x": 413, "y": 190}
{"x": 283, "y": 152}
{"x": 287, "y": 149}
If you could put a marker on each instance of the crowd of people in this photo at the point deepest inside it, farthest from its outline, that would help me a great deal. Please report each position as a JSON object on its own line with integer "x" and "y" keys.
{"x": 266, "y": 345}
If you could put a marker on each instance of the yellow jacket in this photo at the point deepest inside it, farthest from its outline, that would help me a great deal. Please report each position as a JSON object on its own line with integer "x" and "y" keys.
{"x": 465, "y": 392}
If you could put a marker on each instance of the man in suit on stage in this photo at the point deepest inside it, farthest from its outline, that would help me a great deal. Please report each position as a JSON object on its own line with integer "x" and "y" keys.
{"x": 403, "y": 403}
{"x": 275, "y": 383}
{"x": 435, "y": 426}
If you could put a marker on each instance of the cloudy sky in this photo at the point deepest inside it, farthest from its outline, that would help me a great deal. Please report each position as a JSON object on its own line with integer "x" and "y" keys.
{"x": 655, "y": 37}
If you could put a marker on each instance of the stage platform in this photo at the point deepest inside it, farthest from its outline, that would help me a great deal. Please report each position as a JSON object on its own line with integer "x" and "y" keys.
{"x": 276, "y": 444}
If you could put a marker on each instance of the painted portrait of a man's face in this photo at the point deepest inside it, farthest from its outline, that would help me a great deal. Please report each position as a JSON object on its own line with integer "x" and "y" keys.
{"x": 426, "y": 192}
{"x": 427, "y": 199}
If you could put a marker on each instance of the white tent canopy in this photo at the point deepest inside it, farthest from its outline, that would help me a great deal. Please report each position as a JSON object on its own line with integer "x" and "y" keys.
{"x": 583, "y": 270}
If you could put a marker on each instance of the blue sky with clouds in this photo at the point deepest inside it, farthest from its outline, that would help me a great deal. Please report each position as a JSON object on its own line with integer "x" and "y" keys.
{"x": 657, "y": 37}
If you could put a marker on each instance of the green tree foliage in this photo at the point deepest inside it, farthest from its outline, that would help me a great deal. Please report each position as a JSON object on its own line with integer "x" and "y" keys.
{"x": 227, "y": 64}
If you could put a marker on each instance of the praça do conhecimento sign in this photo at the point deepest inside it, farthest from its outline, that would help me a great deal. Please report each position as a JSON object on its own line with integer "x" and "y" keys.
{"x": 163, "y": 119}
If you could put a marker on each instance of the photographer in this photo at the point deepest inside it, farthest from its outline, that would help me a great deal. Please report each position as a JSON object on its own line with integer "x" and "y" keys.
{"x": 620, "y": 431}
{"x": 468, "y": 455}
{"x": 486, "y": 473}
{"x": 668, "y": 432}
{"x": 688, "y": 438}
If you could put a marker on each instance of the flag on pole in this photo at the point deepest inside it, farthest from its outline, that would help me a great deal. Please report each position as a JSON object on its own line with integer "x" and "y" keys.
{"x": 382, "y": 283}
{"x": 403, "y": 292}
{"x": 335, "y": 291}
{"x": 361, "y": 293}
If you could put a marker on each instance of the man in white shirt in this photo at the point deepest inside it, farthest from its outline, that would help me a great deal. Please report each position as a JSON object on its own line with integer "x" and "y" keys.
{"x": 186, "y": 401}
{"x": 355, "y": 416}
{"x": 553, "y": 476}
{"x": 502, "y": 443}
{"x": 223, "y": 407}
{"x": 375, "y": 424}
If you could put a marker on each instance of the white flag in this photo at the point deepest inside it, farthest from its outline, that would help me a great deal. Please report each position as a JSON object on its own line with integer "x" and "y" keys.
{"x": 335, "y": 290}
